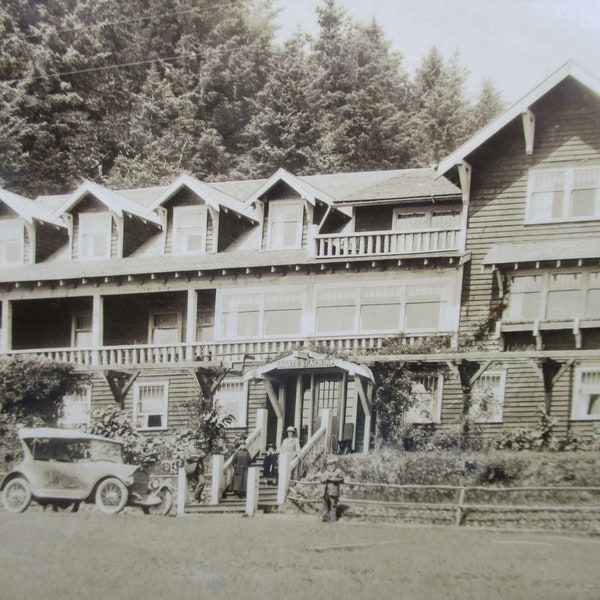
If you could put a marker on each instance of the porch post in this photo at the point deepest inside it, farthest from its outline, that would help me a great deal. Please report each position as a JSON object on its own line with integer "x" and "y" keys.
{"x": 6, "y": 329}
{"x": 181, "y": 491}
{"x": 284, "y": 477}
{"x": 97, "y": 327}
{"x": 191, "y": 323}
{"x": 217, "y": 478}
{"x": 252, "y": 491}
{"x": 299, "y": 400}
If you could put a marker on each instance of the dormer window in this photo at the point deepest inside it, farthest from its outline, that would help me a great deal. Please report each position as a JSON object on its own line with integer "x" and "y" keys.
{"x": 189, "y": 229}
{"x": 571, "y": 194}
{"x": 285, "y": 224}
{"x": 11, "y": 242}
{"x": 94, "y": 235}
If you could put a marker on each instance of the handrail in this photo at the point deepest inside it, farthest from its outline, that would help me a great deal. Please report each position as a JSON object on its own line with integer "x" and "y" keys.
{"x": 254, "y": 442}
{"x": 312, "y": 450}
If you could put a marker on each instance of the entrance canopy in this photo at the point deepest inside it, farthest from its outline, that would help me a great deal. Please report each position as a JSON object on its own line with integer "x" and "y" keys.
{"x": 307, "y": 360}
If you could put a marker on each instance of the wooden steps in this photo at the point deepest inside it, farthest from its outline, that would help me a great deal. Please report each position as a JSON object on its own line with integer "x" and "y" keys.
{"x": 267, "y": 499}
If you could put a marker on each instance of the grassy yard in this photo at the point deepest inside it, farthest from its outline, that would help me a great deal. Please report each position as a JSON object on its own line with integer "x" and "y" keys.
{"x": 89, "y": 555}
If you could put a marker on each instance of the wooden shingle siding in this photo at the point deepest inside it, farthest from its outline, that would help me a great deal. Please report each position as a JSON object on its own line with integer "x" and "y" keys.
{"x": 566, "y": 134}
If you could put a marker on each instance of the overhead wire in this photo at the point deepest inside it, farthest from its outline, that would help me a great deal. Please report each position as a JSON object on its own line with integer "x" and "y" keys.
{"x": 133, "y": 63}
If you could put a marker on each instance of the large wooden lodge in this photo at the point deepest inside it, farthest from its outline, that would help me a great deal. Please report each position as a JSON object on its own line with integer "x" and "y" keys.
{"x": 293, "y": 284}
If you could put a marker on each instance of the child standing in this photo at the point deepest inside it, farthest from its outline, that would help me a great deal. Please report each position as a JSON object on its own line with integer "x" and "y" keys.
{"x": 270, "y": 465}
{"x": 332, "y": 478}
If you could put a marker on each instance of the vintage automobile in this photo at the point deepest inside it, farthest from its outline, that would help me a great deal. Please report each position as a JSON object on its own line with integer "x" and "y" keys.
{"x": 63, "y": 467}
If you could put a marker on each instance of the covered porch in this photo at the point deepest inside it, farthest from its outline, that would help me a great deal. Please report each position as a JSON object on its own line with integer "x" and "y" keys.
{"x": 302, "y": 384}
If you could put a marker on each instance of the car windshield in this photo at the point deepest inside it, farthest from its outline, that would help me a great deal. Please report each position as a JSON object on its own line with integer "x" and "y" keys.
{"x": 68, "y": 450}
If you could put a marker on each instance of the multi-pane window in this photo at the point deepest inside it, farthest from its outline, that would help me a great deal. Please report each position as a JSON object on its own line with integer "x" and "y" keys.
{"x": 11, "y": 242}
{"x": 405, "y": 219}
{"x": 274, "y": 312}
{"x": 554, "y": 296}
{"x": 76, "y": 408}
{"x": 525, "y": 298}
{"x": 384, "y": 308}
{"x": 564, "y": 195}
{"x": 205, "y": 316}
{"x": 94, "y": 235}
{"x": 285, "y": 224}
{"x": 231, "y": 399}
{"x": 586, "y": 394}
{"x": 336, "y": 309}
{"x": 82, "y": 330}
{"x": 165, "y": 327}
{"x": 425, "y": 400}
{"x": 189, "y": 229}
{"x": 487, "y": 397}
{"x": 564, "y": 291}
{"x": 150, "y": 405}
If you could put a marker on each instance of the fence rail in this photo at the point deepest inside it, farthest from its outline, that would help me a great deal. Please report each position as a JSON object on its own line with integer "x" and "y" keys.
{"x": 458, "y": 503}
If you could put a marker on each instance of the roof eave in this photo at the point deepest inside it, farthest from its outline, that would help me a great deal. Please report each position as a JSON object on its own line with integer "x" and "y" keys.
{"x": 569, "y": 69}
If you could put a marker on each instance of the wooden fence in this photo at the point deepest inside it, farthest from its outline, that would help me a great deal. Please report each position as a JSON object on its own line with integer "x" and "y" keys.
{"x": 459, "y": 503}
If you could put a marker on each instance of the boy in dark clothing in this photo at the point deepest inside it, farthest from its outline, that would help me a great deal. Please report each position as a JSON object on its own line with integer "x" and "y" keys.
{"x": 332, "y": 478}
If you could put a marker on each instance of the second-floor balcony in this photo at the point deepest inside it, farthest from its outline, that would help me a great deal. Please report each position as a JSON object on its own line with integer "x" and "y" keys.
{"x": 381, "y": 243}
{"x": 189, "y": 354}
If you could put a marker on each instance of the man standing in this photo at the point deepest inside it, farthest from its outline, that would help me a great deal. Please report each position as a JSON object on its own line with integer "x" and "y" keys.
{"x": 193, "y": 464}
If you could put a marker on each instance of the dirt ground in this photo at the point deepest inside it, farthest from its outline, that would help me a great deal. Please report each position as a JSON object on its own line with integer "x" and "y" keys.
{"x": 45, "y": 555}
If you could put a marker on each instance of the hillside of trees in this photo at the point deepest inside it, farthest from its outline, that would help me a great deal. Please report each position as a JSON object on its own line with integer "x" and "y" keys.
{"x": 132, "y": 94}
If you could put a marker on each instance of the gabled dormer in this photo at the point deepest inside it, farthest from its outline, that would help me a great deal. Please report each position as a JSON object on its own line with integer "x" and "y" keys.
{"x": 291, "y": 211}
{"x": 199, "y": 219}
{"x": 104, "y": 224}
{"x": 28, "y": 231}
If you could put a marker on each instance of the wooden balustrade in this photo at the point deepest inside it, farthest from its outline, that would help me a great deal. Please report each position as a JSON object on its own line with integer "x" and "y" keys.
{"x": 377, "y": 243}
{"x": 115, "y": 356}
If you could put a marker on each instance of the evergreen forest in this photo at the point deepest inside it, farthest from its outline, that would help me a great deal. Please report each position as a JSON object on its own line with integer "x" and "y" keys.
{"x": 132, "y": 94}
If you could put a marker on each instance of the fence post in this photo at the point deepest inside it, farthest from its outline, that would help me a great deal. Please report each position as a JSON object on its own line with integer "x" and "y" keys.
{"x": 459, "y": 508}
{"x": 216, "y": 485}
{"x": 181, "y": 491}
{"x": 284, "y": 477}
{"x": 252, "y": 491}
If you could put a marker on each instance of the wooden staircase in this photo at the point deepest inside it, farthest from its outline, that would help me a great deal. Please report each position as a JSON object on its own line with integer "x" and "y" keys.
{"x": 267, "y": 498}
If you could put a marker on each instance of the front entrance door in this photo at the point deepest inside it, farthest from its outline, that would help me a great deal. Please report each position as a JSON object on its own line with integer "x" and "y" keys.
{"x": 307, "y": 395}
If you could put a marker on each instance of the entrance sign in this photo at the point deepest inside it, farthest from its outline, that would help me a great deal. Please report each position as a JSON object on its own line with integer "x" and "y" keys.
{"x": 309, "y": 363}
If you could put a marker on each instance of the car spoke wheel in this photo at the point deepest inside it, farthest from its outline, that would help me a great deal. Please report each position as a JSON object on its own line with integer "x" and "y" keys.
{"x": 111, "y": 496}
{"x": 164, "y": 508}
{"x": 16, "y": 496}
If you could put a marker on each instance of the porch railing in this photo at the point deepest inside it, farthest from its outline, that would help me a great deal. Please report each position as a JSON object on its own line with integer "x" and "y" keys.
{"x": 377, "y": 243}
{"x": 231, "y": 351}
{"x": 223, "y": 471}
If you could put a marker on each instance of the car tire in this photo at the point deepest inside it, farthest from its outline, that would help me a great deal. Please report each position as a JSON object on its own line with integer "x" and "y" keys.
{"x": 164, "y": 508}
{"x": 111, "y": 496}
{"x": 16, "y": 495}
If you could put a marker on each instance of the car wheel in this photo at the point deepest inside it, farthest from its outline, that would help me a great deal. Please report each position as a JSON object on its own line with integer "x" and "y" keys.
{"x": 111, "y": 496}
{"x": 164, "y": 508}
{"x": 16, "y": 495}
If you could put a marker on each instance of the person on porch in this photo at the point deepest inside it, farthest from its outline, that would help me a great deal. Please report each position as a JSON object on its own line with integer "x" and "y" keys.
{"x": 270, "y": 465}
{"x": 291, "y": 444}
{"x": 241, "y": 462}
{"x": 193, "y": 464}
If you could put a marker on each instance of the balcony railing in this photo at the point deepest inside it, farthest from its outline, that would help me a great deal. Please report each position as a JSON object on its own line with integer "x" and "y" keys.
{"x": 381, "y": 243}
{"x": 182, "y": 353}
